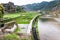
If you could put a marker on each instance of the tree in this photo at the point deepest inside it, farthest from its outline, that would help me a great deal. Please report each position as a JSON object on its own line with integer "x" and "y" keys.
{"x": 1, "y": 15}
{"x": 1, "y": 11}
{"x": 19, "y": 9}
{"x": 11, "y": 7}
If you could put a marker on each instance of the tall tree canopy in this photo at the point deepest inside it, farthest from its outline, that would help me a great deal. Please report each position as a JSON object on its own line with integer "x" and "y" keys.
{"x": 1, "y": 11}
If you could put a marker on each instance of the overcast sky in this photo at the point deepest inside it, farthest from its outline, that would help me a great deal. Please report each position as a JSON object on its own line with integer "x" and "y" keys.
{"x": 22, "y": 2}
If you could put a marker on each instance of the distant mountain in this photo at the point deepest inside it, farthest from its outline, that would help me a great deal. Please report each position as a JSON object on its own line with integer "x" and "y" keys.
{"x": 44, "y": 6}
{"x": 50, "y": 5}
{"x": 35, "y": 6}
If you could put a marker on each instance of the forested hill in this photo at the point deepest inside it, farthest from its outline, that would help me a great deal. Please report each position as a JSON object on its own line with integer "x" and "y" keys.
{"x": 35, "y": 6}
{"x": 42, "y": 6}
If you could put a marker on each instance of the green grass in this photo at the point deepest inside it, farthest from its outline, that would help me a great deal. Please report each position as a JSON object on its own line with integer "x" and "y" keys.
{"x": 21, "y": 18}
{"x": 11, "y": 15}
{"x": 25, "y": 17}
{"x": 11, "y": 37}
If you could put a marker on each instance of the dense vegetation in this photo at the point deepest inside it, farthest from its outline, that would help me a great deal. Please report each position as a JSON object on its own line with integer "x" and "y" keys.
{"x": 11, "y": 8}
{"x": 1, "y": 11}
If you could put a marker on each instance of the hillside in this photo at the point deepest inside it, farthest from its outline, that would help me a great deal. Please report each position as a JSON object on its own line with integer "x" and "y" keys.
{"x": 10, "y": 7}
{"x": 35, "y": 6}
{"x": 44, "y": 6}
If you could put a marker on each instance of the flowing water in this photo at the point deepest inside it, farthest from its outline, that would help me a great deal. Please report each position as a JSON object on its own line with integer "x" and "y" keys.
{"x": 49, "y": 30}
